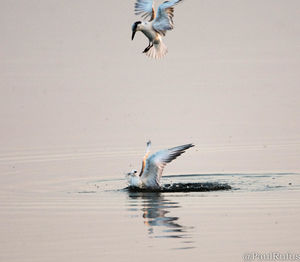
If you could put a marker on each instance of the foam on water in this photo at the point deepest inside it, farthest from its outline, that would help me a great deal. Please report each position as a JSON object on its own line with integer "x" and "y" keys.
{"x": 214, "y": 182}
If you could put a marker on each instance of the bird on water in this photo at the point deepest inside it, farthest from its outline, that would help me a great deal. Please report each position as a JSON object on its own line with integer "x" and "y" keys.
{"x": 157, "y": 26}
{"x": 153, "y": 166}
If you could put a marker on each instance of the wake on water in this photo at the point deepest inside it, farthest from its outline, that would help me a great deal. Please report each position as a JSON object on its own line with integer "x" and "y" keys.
{"x": 183, "y": 187}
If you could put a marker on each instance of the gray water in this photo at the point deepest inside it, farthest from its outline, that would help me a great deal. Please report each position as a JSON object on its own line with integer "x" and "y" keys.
{"x": 74, "y": 206}
{"x": 78, "y": 101}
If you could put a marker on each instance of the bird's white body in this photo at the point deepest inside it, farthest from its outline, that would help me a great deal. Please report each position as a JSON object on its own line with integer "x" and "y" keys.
{"x": 158, "y": 49}
{"x": 134, "y": 181}
{"x": 156, "y": 27}
{"x": 147, "y": 29}
{"x": 152, "y": 167}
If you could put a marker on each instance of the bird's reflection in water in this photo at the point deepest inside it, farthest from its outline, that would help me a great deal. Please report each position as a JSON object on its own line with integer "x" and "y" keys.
{"x": 155, "y": 209}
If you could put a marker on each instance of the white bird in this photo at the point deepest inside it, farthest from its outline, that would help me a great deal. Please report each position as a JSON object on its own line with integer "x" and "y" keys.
{"x": 153, "y": 166}
{"x": 156, "y": 27}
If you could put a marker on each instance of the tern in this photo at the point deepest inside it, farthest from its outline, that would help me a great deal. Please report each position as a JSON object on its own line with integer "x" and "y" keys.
{"x": 156, "y": 27}
{"x": 153, "y": 166}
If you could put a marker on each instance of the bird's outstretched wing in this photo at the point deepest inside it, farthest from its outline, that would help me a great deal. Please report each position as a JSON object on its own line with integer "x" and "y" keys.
{"x": 145, "y": 157}
{"x": 155, "y": 164}
{"x": 145, "y": 8}
{"x": 164, "y": 18}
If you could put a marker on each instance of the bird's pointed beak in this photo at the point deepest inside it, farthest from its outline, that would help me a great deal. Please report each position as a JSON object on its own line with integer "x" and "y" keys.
{"x": 133, "y": 34}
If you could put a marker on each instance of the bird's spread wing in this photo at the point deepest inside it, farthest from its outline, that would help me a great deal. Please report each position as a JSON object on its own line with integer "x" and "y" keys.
{"x": 145, "y": 157}
{"x": 155, "y": 164}
{"x": 164, "y": 18}
{"x": 145, "y": 8}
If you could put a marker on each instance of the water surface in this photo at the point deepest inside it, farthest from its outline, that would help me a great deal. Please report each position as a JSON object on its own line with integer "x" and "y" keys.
{"x": 87, "y": 218}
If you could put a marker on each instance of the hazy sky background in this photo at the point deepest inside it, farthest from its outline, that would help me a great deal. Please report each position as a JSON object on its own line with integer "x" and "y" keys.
{"x": 72, "y": 78}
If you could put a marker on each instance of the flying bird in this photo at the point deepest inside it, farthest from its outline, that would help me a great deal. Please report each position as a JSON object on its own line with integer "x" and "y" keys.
{"x": 153, "y": 166}
{"x": 156, "y": 27}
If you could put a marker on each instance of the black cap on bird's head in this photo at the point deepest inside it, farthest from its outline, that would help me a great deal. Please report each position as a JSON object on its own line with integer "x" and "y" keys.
{"x": 132, "y": 173}
{"x": 134, "y": 28}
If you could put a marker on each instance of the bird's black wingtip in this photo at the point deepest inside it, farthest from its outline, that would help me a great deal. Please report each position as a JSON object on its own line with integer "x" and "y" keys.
{"x": 190, "y": 145}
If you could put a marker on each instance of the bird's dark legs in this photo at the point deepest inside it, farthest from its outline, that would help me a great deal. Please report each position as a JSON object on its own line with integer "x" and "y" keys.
{"x": 148, "y": 47}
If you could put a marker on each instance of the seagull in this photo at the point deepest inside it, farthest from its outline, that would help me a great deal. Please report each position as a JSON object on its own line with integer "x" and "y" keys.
{"x": 157, "y": 25}
{"x": 153, "y": 166}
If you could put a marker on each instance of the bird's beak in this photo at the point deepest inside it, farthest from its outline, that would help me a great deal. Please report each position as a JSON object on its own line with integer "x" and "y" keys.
{"x": 133, "y": 34}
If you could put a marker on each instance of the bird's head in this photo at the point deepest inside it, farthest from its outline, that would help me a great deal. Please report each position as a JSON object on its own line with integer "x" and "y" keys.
{"x": 132, "y": 173}
{"x": 135, "y": 27}
{"x": 131, "y": 177}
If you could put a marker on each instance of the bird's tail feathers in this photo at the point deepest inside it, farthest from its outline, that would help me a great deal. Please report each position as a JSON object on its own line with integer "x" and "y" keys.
{"x": 158, "y": 50}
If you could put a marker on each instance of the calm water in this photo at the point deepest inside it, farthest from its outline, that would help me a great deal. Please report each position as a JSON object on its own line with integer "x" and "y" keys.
{"x": 78, "y": 101}
{"x": 49, "y": 216}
